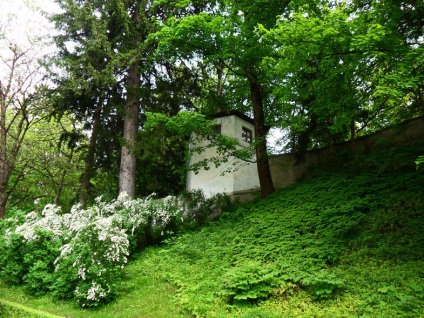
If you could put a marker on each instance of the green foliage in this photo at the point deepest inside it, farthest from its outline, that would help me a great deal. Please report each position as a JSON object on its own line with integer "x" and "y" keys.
{"x": 11, "y": 260}
{"x": 199, "y": 128}
{"x": 419, "y": 162}
{"x": 15, "y": 310}
{"x": 11, "y": 312}
{"x": 39, "y": 258}
{"x": 346, "y": 242}
{"x": 80, "y": 255}
{"x": 251, "y": 281}
{"x": 327, "y": 242}
{"x": 48, "y": 170}
{"x": 200, "y": 210}
{"x": 343, "y": 69}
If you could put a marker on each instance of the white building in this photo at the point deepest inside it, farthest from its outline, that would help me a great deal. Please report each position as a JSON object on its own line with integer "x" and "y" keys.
{"x": 243, "y": 175}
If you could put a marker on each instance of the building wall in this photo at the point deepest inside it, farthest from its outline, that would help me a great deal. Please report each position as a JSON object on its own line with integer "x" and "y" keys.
{"x": 229, "y": 177}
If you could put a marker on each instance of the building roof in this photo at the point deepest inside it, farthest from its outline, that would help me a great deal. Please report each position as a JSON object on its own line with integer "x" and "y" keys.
{"x": 232, "y": 112}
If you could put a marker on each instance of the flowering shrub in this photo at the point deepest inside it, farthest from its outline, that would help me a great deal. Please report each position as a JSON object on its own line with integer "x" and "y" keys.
{"x": 80, "y": 255}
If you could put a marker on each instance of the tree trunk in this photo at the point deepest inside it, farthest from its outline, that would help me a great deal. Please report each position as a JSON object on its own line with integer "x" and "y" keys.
{"x": 330, "y": 142}
{"x": 352, "y": 136}
{"x": 264, "y": 172}
{"x": 3, "y": 165}
{"x": 89, "y": 160}
{"x": 58, "y": 192}
{"x": 127, "y": 171}
{"x": 2, "y": 204}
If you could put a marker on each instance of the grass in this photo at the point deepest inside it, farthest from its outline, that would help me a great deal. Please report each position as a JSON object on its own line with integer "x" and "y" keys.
{"x": 344, "y": 243}
{"x": 143, "y": 294}
{"x": 8, "y": 308}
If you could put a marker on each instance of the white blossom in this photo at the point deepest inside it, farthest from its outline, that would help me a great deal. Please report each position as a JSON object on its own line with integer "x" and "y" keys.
{"x": 97, "y": 238}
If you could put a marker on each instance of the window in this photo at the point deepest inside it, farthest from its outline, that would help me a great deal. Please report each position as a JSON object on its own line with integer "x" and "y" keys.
{"x": 246, "y": 135}
{"x": 217, "y": 129}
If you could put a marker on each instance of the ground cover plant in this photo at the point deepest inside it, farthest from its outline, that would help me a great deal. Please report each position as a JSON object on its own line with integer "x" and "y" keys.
{"x": 346, "y": 242}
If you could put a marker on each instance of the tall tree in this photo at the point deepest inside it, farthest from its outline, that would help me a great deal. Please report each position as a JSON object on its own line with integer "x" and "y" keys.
{"x": 87, "y": 84}
{"x": 341, "y": 70}
{"x": 226, "y": 34}
{"x": 105, "y": 40}
{"x": 111, "y": 78}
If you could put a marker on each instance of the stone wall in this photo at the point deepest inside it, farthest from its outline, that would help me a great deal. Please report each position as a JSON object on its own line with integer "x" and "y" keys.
{"x": 286, "y": 172}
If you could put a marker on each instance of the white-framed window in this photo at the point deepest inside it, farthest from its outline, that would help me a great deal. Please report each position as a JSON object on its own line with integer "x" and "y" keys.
{"x": 246, "y": 135}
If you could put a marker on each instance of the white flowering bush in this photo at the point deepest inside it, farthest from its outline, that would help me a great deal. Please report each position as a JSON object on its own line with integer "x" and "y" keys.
{"x": 28, "y": 250}
{"x": 80, "y": 255}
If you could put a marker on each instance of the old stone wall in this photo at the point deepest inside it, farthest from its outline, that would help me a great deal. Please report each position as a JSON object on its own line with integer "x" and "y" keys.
{"x": 285, "y": 172}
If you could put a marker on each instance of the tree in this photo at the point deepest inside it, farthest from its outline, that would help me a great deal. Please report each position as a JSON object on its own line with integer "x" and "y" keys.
{"x": 48, "y": 169}
{"x": 87, "y": 84}
{"x": 226, "y": 35}
{"x": 341, "y": 70}
{"x": 20, "y": 109}
{"x": 109, "y": 79}
{"x": 105, "y": 55}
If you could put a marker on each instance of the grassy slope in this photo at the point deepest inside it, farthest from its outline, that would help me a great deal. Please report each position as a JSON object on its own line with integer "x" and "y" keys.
{"x": 346, "y": 243}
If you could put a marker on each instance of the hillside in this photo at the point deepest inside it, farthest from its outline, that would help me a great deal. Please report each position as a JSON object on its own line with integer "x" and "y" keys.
{"x": 346, "y": 242}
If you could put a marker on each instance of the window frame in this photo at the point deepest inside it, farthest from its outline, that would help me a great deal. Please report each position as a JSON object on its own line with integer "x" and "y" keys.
{"x": 246, "y": 134}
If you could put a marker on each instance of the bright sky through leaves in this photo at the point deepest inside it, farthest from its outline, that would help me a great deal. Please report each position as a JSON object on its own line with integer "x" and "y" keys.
{"x": 23, "y": 22}
{"x": 20, "y": 19}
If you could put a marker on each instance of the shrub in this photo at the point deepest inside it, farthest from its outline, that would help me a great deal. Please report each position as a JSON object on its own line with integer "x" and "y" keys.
{"x": 80, "y": 255}
{"x": 198, "y": 209}
{"x": 250, "y": 282}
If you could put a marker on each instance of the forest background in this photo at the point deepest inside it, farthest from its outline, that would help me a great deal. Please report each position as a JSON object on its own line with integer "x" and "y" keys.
{"x": 113, "y": 106}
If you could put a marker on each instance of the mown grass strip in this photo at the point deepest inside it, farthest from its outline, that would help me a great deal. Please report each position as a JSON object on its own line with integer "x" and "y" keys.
{"x": 29, "y": 309}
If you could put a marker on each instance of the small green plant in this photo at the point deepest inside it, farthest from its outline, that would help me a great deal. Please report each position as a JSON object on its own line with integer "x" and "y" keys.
{"x": 323, "y": 285}
{"x": 251, "y": 281}
{"x": 419, "y": 162}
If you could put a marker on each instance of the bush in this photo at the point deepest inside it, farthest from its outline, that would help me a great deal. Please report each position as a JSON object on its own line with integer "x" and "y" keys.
{"x": 199, "y": 210}
{"x": 80, "y": 255}
{"x": 250, "y": 282}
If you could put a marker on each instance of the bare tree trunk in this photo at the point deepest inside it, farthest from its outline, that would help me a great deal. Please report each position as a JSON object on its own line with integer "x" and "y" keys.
{"x": 264, "y": 172}
{"x": 3, "y": 158}
{"x": 127, "y": 171}
{"x": 89, "y": 160}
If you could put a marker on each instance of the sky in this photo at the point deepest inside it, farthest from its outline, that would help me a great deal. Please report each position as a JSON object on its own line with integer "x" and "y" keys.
{"x": 22, "y": 18}
{"x": 24, "y": 26}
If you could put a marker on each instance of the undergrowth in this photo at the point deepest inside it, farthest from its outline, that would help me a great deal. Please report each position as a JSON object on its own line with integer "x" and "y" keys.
{"x": 346, "y": 242}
